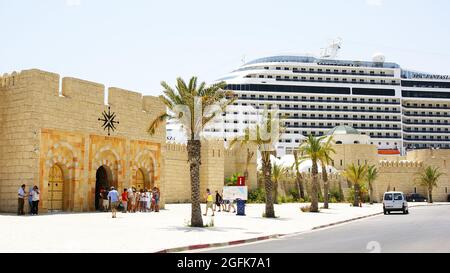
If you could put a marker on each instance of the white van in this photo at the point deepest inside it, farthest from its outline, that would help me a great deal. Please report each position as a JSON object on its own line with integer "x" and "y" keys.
{"x": 395, "y": 201}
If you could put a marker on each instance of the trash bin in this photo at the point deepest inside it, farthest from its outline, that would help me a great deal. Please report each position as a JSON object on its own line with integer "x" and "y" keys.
{"x": 240, "y": 207}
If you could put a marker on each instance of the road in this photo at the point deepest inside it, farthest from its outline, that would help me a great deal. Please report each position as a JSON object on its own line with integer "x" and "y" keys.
{"x": 425, "y": 229}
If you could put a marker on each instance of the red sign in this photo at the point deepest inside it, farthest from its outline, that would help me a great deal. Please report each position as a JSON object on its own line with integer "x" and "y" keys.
{"x": 241, "y": 181}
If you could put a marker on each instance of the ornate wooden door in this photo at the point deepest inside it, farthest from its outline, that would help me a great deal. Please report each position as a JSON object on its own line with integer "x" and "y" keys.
{"x": 140, "y": 181}
{"x": 55, "y": 188}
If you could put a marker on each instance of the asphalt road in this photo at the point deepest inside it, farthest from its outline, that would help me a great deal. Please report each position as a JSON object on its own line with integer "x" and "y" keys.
{"x": 425, "y": 229}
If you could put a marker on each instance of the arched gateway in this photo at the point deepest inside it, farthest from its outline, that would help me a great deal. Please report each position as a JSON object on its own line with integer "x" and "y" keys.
{"x": 103, "y": 178}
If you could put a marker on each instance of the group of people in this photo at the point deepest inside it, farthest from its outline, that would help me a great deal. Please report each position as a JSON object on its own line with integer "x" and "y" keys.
{"x": 33, "y": 200}
{"x": 131, "y": 200}
{"x": 219, "y": 202}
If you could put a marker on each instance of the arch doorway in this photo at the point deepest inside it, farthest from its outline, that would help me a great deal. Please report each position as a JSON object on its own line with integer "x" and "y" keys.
{"x": 142, "y": 180}
{"x": 55, "y": 189}
{"x": 102, "y": 181}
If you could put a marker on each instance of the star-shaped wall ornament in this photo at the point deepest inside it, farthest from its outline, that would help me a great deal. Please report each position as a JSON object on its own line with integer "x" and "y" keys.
{"x": 109, "y": 121}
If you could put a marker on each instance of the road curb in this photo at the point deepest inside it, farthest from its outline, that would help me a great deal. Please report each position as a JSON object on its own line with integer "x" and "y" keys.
{"x": 274, "y": 236}
{"x": 231, "y": 243}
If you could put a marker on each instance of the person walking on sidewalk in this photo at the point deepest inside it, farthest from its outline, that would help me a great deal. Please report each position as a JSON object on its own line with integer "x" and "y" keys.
{"x": 209, "y": 202}
{"x": 125, "y": 200}
{"x": 21, "y": 200}
{"x": 113, "y": 197}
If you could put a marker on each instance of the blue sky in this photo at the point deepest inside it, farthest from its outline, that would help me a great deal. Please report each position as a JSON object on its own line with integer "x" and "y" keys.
{"x": 135, "y": 44}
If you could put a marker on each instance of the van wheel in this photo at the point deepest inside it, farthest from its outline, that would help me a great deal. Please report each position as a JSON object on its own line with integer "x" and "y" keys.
{"x": 405, "y": 211}
{"x": 385, "y": 212}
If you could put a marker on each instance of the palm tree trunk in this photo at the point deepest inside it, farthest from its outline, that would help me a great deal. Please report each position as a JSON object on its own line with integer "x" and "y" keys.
{"x": 194, "y": 157}
{"x": 319, "y": 188}
{"x": 356, "y": 198}
{"x": 298, "y": 178}
{"x": 341, "y": 192}
{"x": 370, "y": 192}
{"x": 267, "y": 172}
{"x": 430, "y": 193}
{"x": 325, "y": 186}
{"x": 275, "y": 192}
{"x": 314, "y": 190}
{"x": 299, "y": 182}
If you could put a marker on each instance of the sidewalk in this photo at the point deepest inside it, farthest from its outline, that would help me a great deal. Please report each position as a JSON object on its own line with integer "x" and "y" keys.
{"x": 153, "y": 232}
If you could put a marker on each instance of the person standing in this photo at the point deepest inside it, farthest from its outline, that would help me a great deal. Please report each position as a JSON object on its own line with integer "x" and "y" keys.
{"x": 218, "y": 201}
{"x": 130, "y": 199}
{"x": 105, "y": 200}
{"x": 142, "y": 202}
{"x": 209, "y": 202}
{"x": 35, "y": 202}
{"x": 125, "y": 200}
{"x": 134, "y": 201}
{"x": 231, "y": 205}
{"x": 149, "y": 199}
{"x": 21, "y": 200}
{"x": 113, "y": 197}
{"x": 30, "y": 200}
{"x": 156, "y": 197}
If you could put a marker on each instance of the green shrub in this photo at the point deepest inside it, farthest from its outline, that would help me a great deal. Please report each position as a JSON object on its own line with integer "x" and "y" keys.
{"x": 257, "y": 196}
{"x": 290, "y": 199}
{"x": 334, "y": 193}
{"x": 294, "y": 194}
{"x": 363, "y": 196}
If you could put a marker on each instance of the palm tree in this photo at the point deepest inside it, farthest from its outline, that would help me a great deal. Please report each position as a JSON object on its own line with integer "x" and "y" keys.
{"x": 428, "y": 178}
{"x": 247, "y": 163}
{"x": 264, "y": 136}
{"x": 357, "y": 175}
{"x": 372, "y": 175}
{"x": 325, "y": 160}
{"x": 278, "y": 172}
{"x": 298, "y": 176}
{"x": 193, "y": 106}
{"x": 311, "y": 148}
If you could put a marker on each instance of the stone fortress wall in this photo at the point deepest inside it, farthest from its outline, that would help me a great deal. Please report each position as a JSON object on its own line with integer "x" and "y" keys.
{"x": 397, "y": 173}
{"x": 48, "y": 123}
{"x": 44, "y": 124}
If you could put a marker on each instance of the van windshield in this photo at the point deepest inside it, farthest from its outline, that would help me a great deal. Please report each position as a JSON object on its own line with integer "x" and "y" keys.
{"x": 388, "y": 197}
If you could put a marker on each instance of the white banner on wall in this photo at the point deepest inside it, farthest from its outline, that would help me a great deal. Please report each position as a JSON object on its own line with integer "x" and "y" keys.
{"x": 234, "y": 192}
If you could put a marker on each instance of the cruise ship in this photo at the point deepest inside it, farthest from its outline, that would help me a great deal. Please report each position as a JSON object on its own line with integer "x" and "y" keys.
{"x": 399, "y": 109}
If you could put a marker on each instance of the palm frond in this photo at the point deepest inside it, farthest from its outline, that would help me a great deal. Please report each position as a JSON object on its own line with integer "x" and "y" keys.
{"x": 157, "y": 122}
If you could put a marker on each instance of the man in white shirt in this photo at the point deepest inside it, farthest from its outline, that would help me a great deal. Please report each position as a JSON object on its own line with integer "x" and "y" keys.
{"x": 21, "y": 200}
